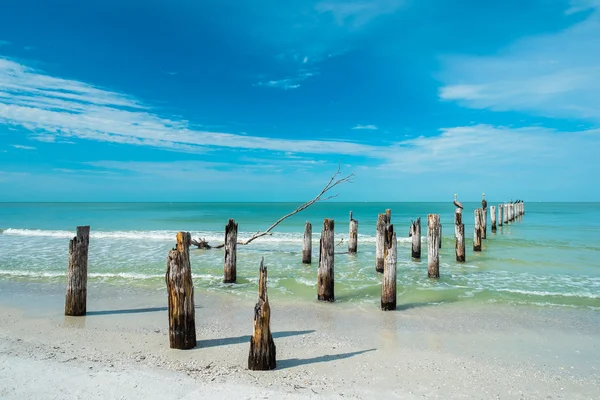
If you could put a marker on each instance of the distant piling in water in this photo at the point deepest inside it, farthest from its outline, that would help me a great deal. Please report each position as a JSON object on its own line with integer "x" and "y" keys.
{"x": 77, "y": 273}
{"x": 477, "y": 230}
{"x": 388, "y": 284}
{"x": 230, "y": 272}
{"x": 433, "y": 245}
{"x": 326, "y": 262}
{"x": 505, "y": 213}
{"x": 180, "y": 288}
{"x": 459, "y": 232}
{"x": 307, "y": 244}
{"x": 415, "y": 233}
{"x": 353, "y": 236}
{"x": 484, "y": 223}
{"x": 499, "y": 214}
{"x": 493, "y": 217}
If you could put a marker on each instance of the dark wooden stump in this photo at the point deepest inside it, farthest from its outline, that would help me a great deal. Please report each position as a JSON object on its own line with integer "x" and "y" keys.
{"x": 388, "y": 284}
{"x": 231, "y": 231}
{"x": 180, "y": 288}
{"x": 326, "y": 262}
{"x": 433, "y": 245}
{"x": 77, "y": 273}
{"x": 477, "y": 230}
{"x": 415, "y": 233}
{"x": 307, "y": 244}
{"x": 383, "y": 221}
{"x": 262, "y": 348}
{"x": 353, "y": 236}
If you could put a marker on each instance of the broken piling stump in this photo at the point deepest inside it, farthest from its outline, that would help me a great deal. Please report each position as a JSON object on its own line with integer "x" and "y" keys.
{"x": 307, "y": 244}
{"x": 459, "y": 232}
{"x": 231, "y": 231}
{"x": 415, "y": 233}
{"x": 325, "y": 287}
{"x": 77, "y": 273}
{"x": 433, "y": 245}
{"x": 353, "y": 236}
{"x": 262, "y": 347}
{"x": 383, "y": 221}
{"x": 388, "y": 284}
{"x": 477, "y": 230}
{"x": 180, "y": 288}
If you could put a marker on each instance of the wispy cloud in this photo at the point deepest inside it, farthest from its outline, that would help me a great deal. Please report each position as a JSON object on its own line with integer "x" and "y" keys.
{"x": 22, "y": 147}
{"x": 367, "y": 127}
{"x": 554, "y": 75}
{"x": 287, "y": 83}
{"x": 4, "y": 43}
{"x": 582, "y": 5}
{"x": 53, "y": 107}
{"x": 358, "y": 13}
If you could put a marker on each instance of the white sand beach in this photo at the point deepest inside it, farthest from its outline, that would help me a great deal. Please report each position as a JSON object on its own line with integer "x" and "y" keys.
{"x": 120, "y": 350}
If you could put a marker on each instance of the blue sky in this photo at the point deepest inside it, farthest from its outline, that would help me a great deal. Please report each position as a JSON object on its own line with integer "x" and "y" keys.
{"x": 259, "y": 101}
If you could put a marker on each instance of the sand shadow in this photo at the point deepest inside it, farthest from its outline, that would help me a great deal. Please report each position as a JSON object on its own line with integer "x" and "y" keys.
{"x": 409, "y": 306}
{"x": 127, "y": 311}
{"x": 244, "y": 339}
{"x": 295, "y": 362}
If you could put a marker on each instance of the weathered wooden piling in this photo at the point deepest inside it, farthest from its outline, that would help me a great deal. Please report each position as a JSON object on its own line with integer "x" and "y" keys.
{"x": 415, "y": 233}
{"x": 353, "y": 236}
{"x": 180, "y": 288}
{"x": 325, "y": 288}
{"x": 484, "y": 223}
{"x": 231, "y": 231}
{"x": 493, "y": 217}
{"x": 307, "y": 244}
{"x": 388, "y": 284}
{"x": 77, "y": 273}
{"x": 433, "y": 245}
{"x": 505, "y": 213}
{"x": 459, "y": 232}
{"x": 262, "y": 355}
{"x": 383, "y": 221}
{"x": 440, "y": 228}
{"x": 477, "y": 231}
{"x": 500, "y": 214}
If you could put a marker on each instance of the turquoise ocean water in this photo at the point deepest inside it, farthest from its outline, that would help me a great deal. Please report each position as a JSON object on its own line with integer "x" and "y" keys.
{"x": 549, "y": 258}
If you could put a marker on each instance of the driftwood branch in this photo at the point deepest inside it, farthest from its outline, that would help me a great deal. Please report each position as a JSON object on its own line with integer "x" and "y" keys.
{"x": 334, "y": 181}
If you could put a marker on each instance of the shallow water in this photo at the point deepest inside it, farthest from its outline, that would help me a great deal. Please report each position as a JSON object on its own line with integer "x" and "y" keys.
{"x": 549, "y": 258}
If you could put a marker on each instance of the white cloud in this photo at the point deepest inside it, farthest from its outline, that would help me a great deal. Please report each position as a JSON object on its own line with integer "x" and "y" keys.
{"x": 22, "y": 147}
{"x": 287, "y": 83}
{"x": 553, "y": 75}
{"x": 52, "y": 107}
{"x": 367, "y": 127}
{"x": 357, "y": 13}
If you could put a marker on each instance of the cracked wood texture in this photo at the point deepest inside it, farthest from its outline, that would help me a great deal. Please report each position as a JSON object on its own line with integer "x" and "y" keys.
{"x": 433, "y": 245}
{"x": 180, "y": 288}
{"x": 388, "y": 284}
{"x": 383, "y": 221}
{"x": 477, "y": 230}
{"x": 76, "y": 299}
{"x": 459, "y": 231}
{"x": 262, "y": 348}
{"x": 231, "y": 231}
{"x": 415, "y": 233}
{"x": 325, "y": 290}
{"x": 353, "y": 236}
{"x": 307, "y": 244}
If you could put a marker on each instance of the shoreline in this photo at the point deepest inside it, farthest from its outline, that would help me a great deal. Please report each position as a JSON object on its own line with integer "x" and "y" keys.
{"x": 436, "y": 351}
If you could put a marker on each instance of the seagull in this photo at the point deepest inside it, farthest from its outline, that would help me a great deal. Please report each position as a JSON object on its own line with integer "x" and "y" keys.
{"x": 483, "y": 201}
{"x": 457, "y": 203}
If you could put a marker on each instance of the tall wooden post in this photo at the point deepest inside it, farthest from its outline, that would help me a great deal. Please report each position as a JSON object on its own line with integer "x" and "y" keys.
{"x": 180, "y": 288}
{"x": 262, "y": 355}
{"x": 383, "y": 221}
{"x": 415, "y": 233}
{"x": 484, "y": 223}
{"x": 477, "y": 231}
{"x": 77, "y": 273}
{"x": 231, "y": 231}
{"x": 459, "y": 231}
{"x": 433, "y": 245}
{"x": 522, "y": 208}
{"x": 353, "y": 236}
{"x": 326, "y": 262}
{"x": 307, "y": 244}
{"x": 388, "y": 284}
{"x": 499, "y": 214}
{"x": 493, "y": 217}
{"x": 505, "y": 213}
